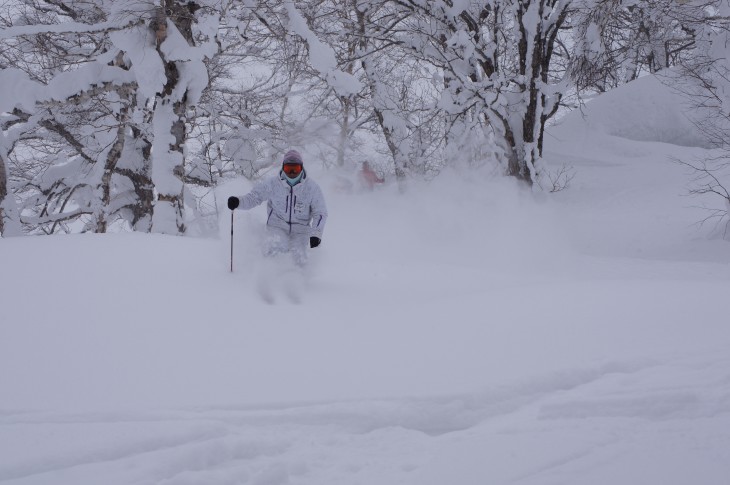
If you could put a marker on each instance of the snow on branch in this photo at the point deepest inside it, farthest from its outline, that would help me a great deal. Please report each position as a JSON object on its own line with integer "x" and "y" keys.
{"x": 65, "y": 28}
{"x": 321, "y": 55}
{"x": 19, "y": 91}
{"x": 55, "y": 218}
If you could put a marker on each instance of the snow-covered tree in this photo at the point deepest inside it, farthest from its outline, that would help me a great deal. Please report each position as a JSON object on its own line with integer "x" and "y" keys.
{"x": 380, "y": 96}
{"x": 618, "y": 41}
{"x": 247, "y": 117}
{"x": 65, "y": 89}
{"x": 337, "y": 95}
{"x": 401, "y": 90}
{"x": 705, "y": 79}
{"x": 268, "y": 85}
{"x": 495, "y": 61}
{"x": 110, "y": 87}
{"x": 167, "y": 55}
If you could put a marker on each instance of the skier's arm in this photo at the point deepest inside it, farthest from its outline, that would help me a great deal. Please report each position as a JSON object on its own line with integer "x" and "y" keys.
{"x": 319, "y": 212}
{"x": 258, "y": 194}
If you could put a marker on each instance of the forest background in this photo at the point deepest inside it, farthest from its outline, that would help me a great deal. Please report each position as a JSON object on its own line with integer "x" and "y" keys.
{"x": 125, "y": 115}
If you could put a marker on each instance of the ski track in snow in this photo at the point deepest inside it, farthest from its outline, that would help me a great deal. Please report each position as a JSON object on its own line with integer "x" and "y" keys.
{"x": 393, "y": 441}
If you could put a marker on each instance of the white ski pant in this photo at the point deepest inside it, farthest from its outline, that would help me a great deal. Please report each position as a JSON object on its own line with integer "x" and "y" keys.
{"x": 279, "y": 241}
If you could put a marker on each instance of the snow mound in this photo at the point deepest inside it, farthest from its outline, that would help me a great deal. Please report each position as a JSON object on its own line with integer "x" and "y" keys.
{"x": 647, "y": 109}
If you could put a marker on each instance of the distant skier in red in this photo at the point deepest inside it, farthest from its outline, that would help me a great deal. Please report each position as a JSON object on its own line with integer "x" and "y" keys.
{"x": 368, "y": 177}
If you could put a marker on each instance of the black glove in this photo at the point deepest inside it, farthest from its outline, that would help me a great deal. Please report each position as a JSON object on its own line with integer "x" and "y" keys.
{"x": 233, "y": 202}
{"x": 314, "y": 241}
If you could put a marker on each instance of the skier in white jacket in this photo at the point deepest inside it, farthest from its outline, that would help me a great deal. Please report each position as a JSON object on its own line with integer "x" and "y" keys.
{"x": 296, "y": 210}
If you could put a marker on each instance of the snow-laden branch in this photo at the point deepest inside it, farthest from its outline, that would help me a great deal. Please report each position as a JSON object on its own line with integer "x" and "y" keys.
{"x": 54, "y": 218}
{"x": 19, "y": 91}
{"x": 66, "y": 28}
{"x": 321, "y": 56}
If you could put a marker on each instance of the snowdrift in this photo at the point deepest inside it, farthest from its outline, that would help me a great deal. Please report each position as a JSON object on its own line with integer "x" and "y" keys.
{"x": 647, "y": 109}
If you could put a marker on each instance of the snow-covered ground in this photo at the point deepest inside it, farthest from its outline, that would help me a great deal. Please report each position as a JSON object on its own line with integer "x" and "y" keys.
{"x": 464, "y": 333}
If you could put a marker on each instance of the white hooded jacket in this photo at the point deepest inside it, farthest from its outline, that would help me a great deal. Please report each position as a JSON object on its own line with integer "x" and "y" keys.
{"x": 298, "y": 209}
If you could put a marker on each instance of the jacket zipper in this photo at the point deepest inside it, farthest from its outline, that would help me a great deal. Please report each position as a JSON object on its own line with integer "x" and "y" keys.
{"x": 291, "y": 205}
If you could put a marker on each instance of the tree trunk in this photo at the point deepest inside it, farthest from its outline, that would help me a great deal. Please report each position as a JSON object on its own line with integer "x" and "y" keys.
{"x": 170, "y": 109}
{"x": 3, "y": 193}
{"x": 400, "y": 168}
{"x": 535, "y": 48}
{"x": 143, "y": 186}
{"x": 398, "y": 158}
{"x": 112, "y": 158}
{"x": 344, "y": 131}
{"x": 9, "y": 217}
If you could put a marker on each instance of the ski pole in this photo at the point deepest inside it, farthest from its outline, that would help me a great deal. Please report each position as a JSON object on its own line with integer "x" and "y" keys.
{"x": 231, "y": 241}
